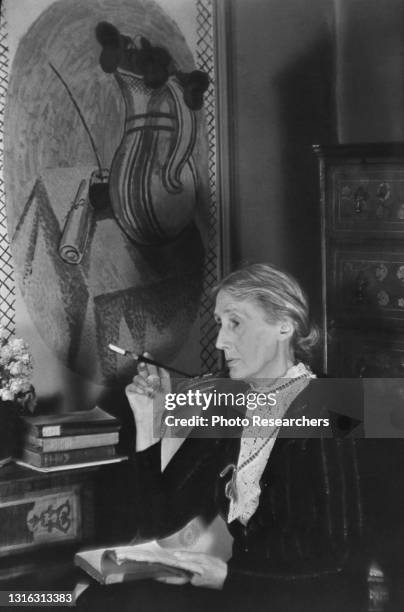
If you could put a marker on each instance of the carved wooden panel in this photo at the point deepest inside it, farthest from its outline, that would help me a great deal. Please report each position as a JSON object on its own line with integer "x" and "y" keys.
{"x": 44, "y": 509}
{"x": 366, "y": 198}
{"x": 46, "y": 517}
{"x": 367, "y": 285}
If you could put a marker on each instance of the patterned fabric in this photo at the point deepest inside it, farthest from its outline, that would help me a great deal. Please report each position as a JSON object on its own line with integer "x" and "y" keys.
{"x": 205, "y": 62}
{"x": 249, "y": 473}
{"x": 7, "y": 287}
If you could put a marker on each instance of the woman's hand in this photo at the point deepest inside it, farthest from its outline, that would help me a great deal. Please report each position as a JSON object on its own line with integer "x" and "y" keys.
{"x": 146, "y": 398}
{"x": 208, "y": 571}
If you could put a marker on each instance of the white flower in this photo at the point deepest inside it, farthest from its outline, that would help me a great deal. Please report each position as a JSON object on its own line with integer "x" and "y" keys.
{"x": 26, "y": 358}
{"x": 19, "y": 385}
{"x": 17, "y": 368}
{"x": 17, "y": 346}
{"x": 26, "y": 386}
{"x": 5, "y": 354}
{"x": 16, "y": 385}
{"x": 6, "y": 395}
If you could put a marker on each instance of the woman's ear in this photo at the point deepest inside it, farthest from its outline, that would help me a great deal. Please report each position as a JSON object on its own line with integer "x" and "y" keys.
{"x": 286, "y": 329}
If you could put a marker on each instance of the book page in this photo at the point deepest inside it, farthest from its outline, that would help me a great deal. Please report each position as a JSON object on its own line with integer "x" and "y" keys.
{"x": 149, "y": 553}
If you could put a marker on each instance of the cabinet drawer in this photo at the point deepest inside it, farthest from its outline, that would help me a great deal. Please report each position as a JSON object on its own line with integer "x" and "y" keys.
{"x": 365, "y": 199}
{"x": 366, "y": 285}
{"x": 39, "y": 510}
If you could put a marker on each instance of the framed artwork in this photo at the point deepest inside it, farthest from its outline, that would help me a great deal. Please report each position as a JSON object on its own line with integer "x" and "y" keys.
{"x": 113, "y": 219}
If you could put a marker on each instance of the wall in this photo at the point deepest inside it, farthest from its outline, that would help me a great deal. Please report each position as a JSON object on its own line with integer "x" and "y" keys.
{"x": 370, "y": 70}
{"x": 283, "y": 75}
{"x": 305, "y": 72}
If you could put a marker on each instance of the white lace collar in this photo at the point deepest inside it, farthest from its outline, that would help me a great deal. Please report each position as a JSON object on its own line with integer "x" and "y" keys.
{"x": 249, "y": 467}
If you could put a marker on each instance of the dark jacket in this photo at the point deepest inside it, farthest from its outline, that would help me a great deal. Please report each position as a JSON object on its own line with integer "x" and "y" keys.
{"x": 304, "y": 540}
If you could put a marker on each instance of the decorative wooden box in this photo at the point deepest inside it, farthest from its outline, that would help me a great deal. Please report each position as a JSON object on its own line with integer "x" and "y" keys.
{"x": 38, "y": 510}
{"x": 362, "y": 206}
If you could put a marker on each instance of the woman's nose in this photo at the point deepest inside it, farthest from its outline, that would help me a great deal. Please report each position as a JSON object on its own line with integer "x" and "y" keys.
{"x": 222, "y": 341}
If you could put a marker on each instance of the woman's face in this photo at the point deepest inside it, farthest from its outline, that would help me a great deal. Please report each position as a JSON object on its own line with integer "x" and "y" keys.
{"x": 253, "y": 347}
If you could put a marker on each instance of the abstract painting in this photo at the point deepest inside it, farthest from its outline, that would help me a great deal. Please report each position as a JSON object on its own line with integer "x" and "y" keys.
{"x": 109, "y": 178}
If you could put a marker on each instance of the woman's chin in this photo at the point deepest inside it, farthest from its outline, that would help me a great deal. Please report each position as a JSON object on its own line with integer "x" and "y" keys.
{"x": 236, "y": 373}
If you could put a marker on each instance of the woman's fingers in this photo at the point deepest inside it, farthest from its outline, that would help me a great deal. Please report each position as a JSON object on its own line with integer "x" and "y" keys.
{"x": 143, "y": 370}
{"x": 178, "y": 580}
{"x": 186, "y": 555}
{"x": 152, "y": 369}
{"x": 208, "y": 571}
{"x": 140, "y": 386}
{"x": 150, "y": 380}
{"x": 142, "y": 383}
{"x": 191, "y": 562}
{"x": 157, "y": 379}
{"x": 150, "y": 375}
{"x": 135, "y": 390}
{"x": 165, "y": 380}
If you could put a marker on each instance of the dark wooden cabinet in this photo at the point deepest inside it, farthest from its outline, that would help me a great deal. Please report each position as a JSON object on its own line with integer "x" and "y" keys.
{"x": 362, "y": 204}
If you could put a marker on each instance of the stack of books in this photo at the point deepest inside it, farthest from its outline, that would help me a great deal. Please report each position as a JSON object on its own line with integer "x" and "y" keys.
{"x": 61, "y": 441}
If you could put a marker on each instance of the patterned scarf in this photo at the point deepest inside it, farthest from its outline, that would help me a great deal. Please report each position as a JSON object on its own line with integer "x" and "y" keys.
{"x": 257, "y": 443}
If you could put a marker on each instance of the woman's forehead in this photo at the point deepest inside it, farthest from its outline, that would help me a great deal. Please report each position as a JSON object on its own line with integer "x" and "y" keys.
{"x": 227, "y": 302}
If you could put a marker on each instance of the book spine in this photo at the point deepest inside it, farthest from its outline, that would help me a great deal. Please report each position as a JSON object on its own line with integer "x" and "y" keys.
{"x": 67, "y": 457}
{"x": 65, "y": 443}
{"x": 71, "y": 429}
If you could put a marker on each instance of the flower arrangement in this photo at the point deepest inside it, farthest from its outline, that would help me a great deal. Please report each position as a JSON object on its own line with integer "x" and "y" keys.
{"x": 15, "y": 371}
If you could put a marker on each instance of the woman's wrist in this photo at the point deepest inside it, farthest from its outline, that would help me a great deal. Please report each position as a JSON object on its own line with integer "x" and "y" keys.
{"x": 143, "y": 411}
{"x": 145, "y": 440}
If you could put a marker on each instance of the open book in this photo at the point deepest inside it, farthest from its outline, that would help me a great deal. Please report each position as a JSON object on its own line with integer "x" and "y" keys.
{"x": 136, "y": 562}
{"x": 155, "y": 559}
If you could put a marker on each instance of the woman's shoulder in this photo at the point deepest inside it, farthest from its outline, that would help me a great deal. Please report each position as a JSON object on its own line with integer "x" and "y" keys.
{"x": 325, "y": 384}
{"x": 338, "y": 395}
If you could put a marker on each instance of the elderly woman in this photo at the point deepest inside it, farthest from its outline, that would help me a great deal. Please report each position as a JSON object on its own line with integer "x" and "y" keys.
{"x": 291, "y": 504}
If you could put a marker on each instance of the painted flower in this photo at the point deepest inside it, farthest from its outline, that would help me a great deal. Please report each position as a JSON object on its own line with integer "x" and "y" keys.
{"x": 381, "y": 272}
{"x": 400, "y": 273}
{"x": 383, "y": 298}
{"x": 400, "y": 212}
{"x": 384, "y": 191}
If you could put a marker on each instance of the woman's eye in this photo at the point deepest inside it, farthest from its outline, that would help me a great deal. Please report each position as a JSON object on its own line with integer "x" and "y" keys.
{"x": 234, "y": 323}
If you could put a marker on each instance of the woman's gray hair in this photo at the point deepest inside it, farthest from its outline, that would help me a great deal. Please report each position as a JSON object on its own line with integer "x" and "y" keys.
{"x": 280, "y": 296}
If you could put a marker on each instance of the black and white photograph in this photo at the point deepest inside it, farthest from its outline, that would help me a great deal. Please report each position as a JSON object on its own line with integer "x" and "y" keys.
{"x": 202, "y": 305}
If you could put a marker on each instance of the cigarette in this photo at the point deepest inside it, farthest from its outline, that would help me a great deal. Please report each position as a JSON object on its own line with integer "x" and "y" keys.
{"x": 143, "y": 359}
{"x": 117, "y": 349}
